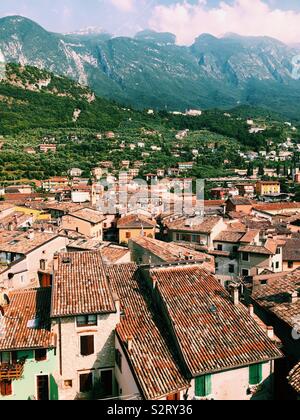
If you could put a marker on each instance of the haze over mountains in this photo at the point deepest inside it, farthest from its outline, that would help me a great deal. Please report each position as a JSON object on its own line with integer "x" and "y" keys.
{"x": 151, "y": 71}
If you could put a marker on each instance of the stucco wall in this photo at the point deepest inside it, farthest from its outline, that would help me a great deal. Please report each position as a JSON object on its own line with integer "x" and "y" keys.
{"x": 73, "y": 363}
{"x": 25, "y": 388}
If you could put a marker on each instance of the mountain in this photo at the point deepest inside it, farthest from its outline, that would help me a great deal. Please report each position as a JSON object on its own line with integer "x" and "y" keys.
{"x": 151, "y": 71}
{"x": 32, "y": 98}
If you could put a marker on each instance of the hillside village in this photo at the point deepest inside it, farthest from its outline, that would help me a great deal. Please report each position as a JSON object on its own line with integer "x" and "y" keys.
{"x": 122, "y": 277}
{"x": 110, "y": 290}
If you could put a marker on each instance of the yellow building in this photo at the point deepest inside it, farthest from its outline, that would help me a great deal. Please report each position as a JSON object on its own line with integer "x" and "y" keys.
{"x": 135, "y": 226}
{"x": 267, "y": 187}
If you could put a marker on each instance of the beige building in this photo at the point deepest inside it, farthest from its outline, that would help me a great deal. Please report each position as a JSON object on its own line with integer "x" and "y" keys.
{"x": 26, "y": 258}
{"x": 84, "y": 316}
{"x": 198, "y": 231}
{"x": 87, "y": 222}
{"x": 134, "y": 226}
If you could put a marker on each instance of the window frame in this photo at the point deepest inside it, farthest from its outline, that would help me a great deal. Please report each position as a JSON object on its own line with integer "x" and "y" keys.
{"x": 86, "y": 324}
{"x": 39, "y": 359}
{"x": 88, "y": 339}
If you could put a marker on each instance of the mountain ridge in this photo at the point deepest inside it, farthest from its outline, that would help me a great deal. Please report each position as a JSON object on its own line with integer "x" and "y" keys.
{"x": 151, "y": 71}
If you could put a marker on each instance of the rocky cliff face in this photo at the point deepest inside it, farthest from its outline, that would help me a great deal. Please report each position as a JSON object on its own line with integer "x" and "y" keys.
{"x": 150, "y": 70}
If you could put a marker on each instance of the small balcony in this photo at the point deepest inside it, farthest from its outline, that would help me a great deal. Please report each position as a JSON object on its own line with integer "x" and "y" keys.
{"x": 10, "y": 372}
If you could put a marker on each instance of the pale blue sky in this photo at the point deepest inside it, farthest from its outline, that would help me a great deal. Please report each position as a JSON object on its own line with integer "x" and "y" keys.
{"x": 128, "y": 16}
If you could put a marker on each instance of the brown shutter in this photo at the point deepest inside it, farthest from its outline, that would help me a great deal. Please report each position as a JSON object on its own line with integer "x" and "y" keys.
{"x": 5, "y": 388}
{"x": 87, "y": 345}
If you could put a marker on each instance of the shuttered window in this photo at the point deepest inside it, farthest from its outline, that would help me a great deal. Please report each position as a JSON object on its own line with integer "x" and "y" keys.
{"x": 203, "y": 386}
{"x": 87, "y": 345}
{"x": 6, "y": 388}
{"x": 255, "y": 374}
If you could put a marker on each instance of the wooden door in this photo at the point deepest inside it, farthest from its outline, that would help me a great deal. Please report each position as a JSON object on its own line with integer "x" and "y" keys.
{"x": 42, "y": 388}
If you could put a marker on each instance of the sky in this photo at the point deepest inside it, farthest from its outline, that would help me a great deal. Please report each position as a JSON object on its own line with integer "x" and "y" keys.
{"x": 185, "y": 18}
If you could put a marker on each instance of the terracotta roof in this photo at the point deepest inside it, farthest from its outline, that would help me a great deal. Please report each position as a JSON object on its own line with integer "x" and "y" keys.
{"x": 19, "y": 242}
{"x": 152, "y": 362}
{"x": 276, "y": 206}
{"x": 255, "y": 249}
{"x": 80, "y": 286}
{"x": 135, "y": 221}
{"x": 89, "y": 215}
{"x": 229, "y": 236}
{"x": 169, "y": 251}
{"x": 201, "y": 225}
{"x": 240, "y": 201}
{"x": 291, "y": 250}
{"x": 294, "y": 378}
{"x": 24, "y": 307}
{"x": 112, "y": 254}
{"x": 276, "y": 297}
{"x": 213, "y": 334}
{"x": 249, "y": 236}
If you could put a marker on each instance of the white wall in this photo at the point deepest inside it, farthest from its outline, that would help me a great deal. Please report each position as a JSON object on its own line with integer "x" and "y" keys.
{"x": 72, "y": 362}
{"x": 234, "y": 384}
{"x": 26, "y": 271}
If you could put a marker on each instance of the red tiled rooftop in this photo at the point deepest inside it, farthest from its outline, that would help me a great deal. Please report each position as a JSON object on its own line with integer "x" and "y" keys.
{"x": 213, "y": 333}
{"x": 153, "y": 364}
{"x": 80, "y": 286}
{"x": 25, "y": 306}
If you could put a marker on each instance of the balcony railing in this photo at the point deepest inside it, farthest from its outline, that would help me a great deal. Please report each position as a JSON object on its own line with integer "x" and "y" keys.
{"x": 9, "y": 372}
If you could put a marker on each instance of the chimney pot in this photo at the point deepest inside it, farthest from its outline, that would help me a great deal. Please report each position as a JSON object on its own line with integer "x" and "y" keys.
{"x": 235, "y": 294}
{"x": 294, "y": 296}
{"x": 129, "y": 343}
{"x": 270, "y": 332}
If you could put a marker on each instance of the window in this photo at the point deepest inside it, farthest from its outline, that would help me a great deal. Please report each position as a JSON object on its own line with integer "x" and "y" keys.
{"x": 68, "y": 384}
{"x": 5, "y": 388}
{"x": 278, "y": 251}
{"x": 277, "y": 265}
{"x": 119, "y": 359}
{"x": 220, "y": 247}
{"x": 128, "y": 235}
{"x": 264, "y": 282}
{"x": 231, "y": 269}
{"x": 245, "y": 256}
{"x": 255, "y": 374}
{"x": 217, "y": 266}
{"x": 87, "y": 345}
{"x": 235, "y": 249}
{"x": 245, "y": 273}
{"x": 40, "y": 355}
{"x": 43, "y": 265}
{"x": 86, "y": 382}
{"x": 87, "y": 321}
{"x": 203, "y": 386}
{"x": 290, "y": 264}
{"x": 106, "y": 384}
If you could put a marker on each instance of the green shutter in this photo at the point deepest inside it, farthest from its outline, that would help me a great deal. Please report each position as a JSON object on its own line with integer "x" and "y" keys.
{"x": 255, "y": 374}
{"x": 203, "y": 386}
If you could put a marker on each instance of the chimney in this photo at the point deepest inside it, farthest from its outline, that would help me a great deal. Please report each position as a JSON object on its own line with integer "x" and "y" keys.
{"x": 270, "y": 333}
{"x": 294, "y": 296}
{"x": 235, "y": 294}
{"x": 154, "y": 284}
{"x": 55, "y": 262}
{"x": 30, "y": 235}
{"x": 129, "y": 343}
{"x": 251, "y": 311}
{"x": 117, "y": 302}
